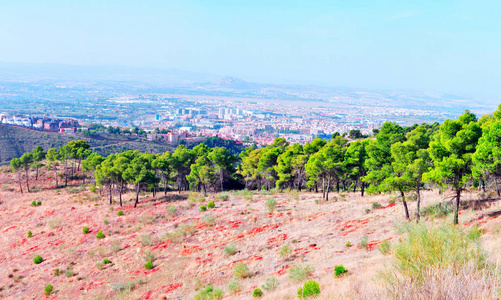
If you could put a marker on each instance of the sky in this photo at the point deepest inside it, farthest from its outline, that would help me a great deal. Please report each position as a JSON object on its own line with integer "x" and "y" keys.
{"x": 441, "y": 45}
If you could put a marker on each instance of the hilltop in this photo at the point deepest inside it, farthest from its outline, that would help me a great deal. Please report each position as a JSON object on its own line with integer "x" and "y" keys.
{"x": 187, "y": 245}
{"x": 14, "y": 141}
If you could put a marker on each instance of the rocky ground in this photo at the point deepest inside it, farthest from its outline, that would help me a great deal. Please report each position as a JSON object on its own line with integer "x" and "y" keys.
{"x": 187, "y": 245}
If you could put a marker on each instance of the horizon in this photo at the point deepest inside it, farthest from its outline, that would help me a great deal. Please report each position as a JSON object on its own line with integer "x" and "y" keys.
{"x": 413, "y": 47}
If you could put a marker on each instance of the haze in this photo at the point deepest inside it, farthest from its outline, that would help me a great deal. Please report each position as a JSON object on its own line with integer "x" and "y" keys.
{"x": 447, "y": 46}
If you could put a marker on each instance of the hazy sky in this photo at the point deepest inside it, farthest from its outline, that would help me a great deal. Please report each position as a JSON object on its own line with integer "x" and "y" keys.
{"x": 439, "y": 45}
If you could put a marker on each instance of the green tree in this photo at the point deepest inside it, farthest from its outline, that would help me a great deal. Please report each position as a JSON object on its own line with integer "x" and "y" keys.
{"x": 223, "y": 164}
{"x": 90, "y": 163}
{"x": 26, "y": 160}
{"x": 355, "y": 157}
{"x": 451, "y": 150}
{"x": 182, "y": 159}
{"x": 164, "y": 165}
{"x": 139, "y": 172}
{"x": 53, "y": 161}
{"x": 15, "y": 165}
{"x": 38, "y": 156}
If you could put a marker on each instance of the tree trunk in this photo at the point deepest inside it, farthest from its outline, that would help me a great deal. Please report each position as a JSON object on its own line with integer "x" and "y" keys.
{"x": 19, "y": 179}
{"x": 362, "y": 188}
{"x": 65, "y": 174}
{"x": 405, "y": 206}
{"x": 55, "y": 173}
{"x": 458, "y": 199}
{"x": 355, "y": 186}
{"x": 337, "y": 186}
{"x": 222, "y": 178}
{"x": 27, "y": 180}
{"x": 120, "y": 191}
{"x": 497, "y": 187}
{"x": 36, "y": 176}
{"x": 418, "y": 200}
{"x": 323, "y": 187}
{"x": 137, "y": 195}
{"x": 111, "y": 199}
{"x": 165, "y": 185}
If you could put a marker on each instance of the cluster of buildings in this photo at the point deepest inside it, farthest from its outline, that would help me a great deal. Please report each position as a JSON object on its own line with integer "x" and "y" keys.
{"x": 65, "y": 125}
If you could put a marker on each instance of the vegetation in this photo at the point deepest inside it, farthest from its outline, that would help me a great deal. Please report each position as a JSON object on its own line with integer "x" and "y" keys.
{"x": 120, "y": 213}
{"x": 48, "y": 290}
{"x": 230, "y": 249}
{"x": 234, "y": 286}
{"x": 300, "y": 273}
{"x": 270, "y": 284}
{"x": 339, "y": 270}
{"x": 257, "y": 293}
{"x": 311, "y": 288}
{"x": 148, "y": 265}
{"x": 38, "y": 259}
{"x": 100, "y": 235}
{"x": 209, "y": 293}
{"x": 241, "y": 270}
{"x": 86, "y": 230}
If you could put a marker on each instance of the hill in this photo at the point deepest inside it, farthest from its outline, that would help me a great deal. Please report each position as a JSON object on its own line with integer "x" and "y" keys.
{"x": 14, "y": 141}
{"x": 187, "y": 245}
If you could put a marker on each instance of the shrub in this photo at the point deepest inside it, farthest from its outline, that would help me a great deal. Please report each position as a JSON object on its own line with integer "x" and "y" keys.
{"x": 56, "y": 272}
{"x": 48, "y": 290}
{"x": 270, "y": 284}
{"x": 106, "y": 221}
{"x": 285, "y": 251}
{"x": 257, "y": 293}
{"x": 223, "y": 197}
{"x": 348, "y": 244}
{"x": 230, "y": 249}
{"x": 148, "y": 265}
{"x": 38, "y": 259}
{"x": 376, "y": 205}
{"x": 106, "y": 261}
{"x": 39, "y": 203}
{"x": 241, "y": 270}
{"x": 271, "y": 203}
{"x": 211, "y": 204}
{"x": 300, "y": 273}
{"x": 425, "y": 247}
{"x": 203, "y": 208}
{"x": 384, "y": 247}
{"x": 209, "y": 219}
{"x": 100, "y": 235}
{"x": 339, "y": 271}
{"x": 69, "y": 272}
{"x": 55, "y": 223}
{"x": 92, "y": 188}
{"x": 438, "y": 210}
{"x": 120, "y": 213}
{"x": 364, "y": 241}
{"x": 86, "y": 230}
{"x": 30, "y": 234}
{"x": 234, "y": 286}
{"x": 34, "y": 203}
{"x": 172, "y": 210}
{"x": 146, "y": 239}
{"x": 209, "y": 293}
{"x": 311, "y": 288}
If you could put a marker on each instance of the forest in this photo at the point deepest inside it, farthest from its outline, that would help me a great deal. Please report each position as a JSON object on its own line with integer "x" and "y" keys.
{"x": 456, "y": 155}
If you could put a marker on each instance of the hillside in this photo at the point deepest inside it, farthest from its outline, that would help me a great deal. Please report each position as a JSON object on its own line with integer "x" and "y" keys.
{"x": 187, "y": 246}
{"x": 14, "y": 141}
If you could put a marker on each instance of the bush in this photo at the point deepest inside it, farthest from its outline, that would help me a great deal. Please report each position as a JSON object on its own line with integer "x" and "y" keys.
{"x": 425, "y": 247}
{"x": 211, "y": 204}
{"x": 39, "y": 203}
{"x": 300, "y": 273}
{"x": 285, "y": 251}
{"x": 257, "y": 293}
{"x": 209, "y": 219}
{"x": 339, "y": 270}
{"x": 311, "y": 288}
{"x": 100, "y": 235}
{"x": 230, "y": 249}
{"x": 172, "y": 210}
{"x": 86, "y": 230}
{"x": 234, "y": 286}
{"x": 364, "y": 242}
{"x": 270, "y": 284}
{"x": 30, "y": 234}
{"x": 241, "y": 270}
{"x": 34, "y": 203}
{"x": 348, "y": 244}
{"x": 271, "y": 203}
{"x": 38, "y": 259}
{"x": 376, "y": 205}
{"x": 69, "y": 272}
{"x": 438, "y": 210}
{"x": 120, "y": 213}
{"x": 106, "y": 221}
{"x": 106, "y": 261}
{"x": 209, "y": 293}
{"x": 384, "y": 247}
{"x": 56, "y": 272}
{"x": 223, "y": 197}
{"x": 148, "y": 265}
{"x": 92, "y": 188}
{"x": 48, "y": 290}
{"x": 203, "y": 208}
